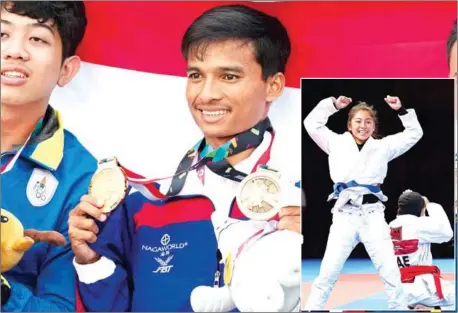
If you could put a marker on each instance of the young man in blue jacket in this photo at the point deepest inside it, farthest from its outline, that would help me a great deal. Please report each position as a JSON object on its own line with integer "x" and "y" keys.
{"x": 150, "y": 255}
{"x": 53, "y": 169}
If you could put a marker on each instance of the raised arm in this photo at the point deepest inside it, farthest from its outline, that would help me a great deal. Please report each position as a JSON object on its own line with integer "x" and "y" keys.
{"x": 436, "y": 227}
{"x": 315, "y": 122}
{"x": 401, "y": 142}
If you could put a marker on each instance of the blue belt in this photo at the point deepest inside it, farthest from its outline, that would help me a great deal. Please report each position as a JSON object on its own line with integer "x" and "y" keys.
{"x": 339, "y": 187}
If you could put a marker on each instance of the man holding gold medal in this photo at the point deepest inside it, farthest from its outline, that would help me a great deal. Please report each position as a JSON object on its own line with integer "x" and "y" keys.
{"x": 45, "y": 169}
{"x": 147, "y": 252}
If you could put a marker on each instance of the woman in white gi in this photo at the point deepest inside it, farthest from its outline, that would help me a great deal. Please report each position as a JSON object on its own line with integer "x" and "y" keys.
{"x": 358, "y": 166}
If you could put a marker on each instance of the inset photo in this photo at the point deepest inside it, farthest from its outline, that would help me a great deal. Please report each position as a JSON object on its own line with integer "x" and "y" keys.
{"x": 378, "y": 172}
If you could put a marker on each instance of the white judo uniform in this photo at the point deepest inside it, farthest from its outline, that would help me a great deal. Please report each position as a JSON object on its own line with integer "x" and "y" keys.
{"x": 412, "y": 237}
{"x": 356, "y": 222}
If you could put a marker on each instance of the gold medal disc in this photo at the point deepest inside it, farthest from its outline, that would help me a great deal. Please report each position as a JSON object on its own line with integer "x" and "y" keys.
{"x": 109, "y": 185}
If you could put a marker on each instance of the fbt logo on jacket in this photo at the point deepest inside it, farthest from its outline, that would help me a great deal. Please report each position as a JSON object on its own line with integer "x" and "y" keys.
{"x": 164, "y": 253}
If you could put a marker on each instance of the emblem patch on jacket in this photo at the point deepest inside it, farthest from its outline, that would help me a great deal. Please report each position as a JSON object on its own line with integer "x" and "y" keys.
{"x": 41, "y": 187}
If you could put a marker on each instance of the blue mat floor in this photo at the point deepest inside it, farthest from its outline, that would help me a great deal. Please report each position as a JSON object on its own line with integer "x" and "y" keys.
{"x": 378, "y": 301}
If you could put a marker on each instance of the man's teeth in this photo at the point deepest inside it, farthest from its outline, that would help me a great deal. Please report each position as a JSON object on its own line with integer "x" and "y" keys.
{"x": 13, "y": 74}
{"x": 214, "y": 113}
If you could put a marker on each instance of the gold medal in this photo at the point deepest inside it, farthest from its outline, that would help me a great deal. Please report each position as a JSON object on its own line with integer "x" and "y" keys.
{"x": 259, "y": 195}
{"x": 109, "y": 184}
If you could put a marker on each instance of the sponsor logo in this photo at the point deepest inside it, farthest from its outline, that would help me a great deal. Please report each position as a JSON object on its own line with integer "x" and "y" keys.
{"x": 164, "y": 252}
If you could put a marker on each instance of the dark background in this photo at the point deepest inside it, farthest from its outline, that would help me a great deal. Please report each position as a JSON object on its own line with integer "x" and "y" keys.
{"x": 428, "y": 167}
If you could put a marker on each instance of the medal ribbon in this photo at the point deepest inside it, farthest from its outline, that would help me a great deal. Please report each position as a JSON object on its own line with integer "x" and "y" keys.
{"x": 214, "y": 159}
{"x": 10, "y": 164}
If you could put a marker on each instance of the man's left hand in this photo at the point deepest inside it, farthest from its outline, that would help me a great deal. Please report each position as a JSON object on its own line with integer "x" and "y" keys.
{"x": 290, "y": 218}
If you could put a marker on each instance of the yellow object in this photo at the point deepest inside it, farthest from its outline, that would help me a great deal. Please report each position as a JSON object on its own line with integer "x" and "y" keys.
{"x": 13, "y": 241}
{"x": 50, "y": 152}
{"x": 5, "y": 282}
{"x": 228, "y": 266}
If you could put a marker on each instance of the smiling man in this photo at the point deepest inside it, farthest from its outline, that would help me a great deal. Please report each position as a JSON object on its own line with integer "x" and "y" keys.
{"x": 53, "y": 169}
{"x": 149, "y": 255}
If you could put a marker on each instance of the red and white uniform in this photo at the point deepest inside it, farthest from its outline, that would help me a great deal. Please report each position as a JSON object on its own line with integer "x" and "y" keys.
{"x": 412, "y": 237}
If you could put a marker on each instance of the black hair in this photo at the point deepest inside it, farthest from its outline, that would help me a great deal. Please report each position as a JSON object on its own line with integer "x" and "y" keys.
{"x": 410, "y": 202}
{"x": 68, "y": 16}
{"x": 451, "y": 41}
{"x": 238, "y": 22}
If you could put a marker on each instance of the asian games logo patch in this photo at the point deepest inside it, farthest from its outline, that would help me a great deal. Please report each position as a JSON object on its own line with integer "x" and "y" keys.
{"x": 41, "y": 187}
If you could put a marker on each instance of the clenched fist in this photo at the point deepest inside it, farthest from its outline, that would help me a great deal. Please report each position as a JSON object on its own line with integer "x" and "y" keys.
{"x": 393, "y": 102}
{"x": 342, "y": 102}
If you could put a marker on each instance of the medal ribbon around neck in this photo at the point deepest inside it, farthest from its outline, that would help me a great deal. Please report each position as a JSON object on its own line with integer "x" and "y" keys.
{"x": 214, "y": 159}
{"x": 8, "y": 166}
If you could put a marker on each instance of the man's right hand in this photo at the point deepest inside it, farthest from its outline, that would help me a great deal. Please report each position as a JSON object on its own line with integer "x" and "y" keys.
{"x": 82, "y": 229}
